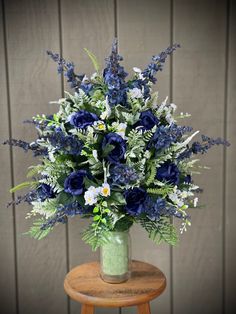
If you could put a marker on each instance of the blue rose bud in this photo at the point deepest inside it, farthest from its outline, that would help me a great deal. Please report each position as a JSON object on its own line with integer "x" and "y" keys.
{"x": 168, "y": 172}
{"x": 135, "y": 201}
{"x": 83, "y": 119}
{"x": 74, "y": 183}
{"x": 147, "y": 120}
{"x": 118, "y": 152}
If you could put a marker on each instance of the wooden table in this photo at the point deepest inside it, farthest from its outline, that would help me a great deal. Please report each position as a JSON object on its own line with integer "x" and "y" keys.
{"x": 83, "y": 284}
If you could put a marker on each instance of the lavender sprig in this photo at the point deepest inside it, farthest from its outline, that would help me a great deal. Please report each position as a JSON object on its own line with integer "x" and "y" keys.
{"x": 203, "y": 147}
{"x": 68, "y": 69}
{"x": 37, "y": 150}
{"x": 157, "y": 63}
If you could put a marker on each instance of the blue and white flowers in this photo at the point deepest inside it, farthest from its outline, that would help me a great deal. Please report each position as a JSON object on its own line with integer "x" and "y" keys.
{"x": 115, "y": 153}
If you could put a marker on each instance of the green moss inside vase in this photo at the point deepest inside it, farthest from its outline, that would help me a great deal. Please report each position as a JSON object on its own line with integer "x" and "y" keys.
{"x": 115, "y": 257}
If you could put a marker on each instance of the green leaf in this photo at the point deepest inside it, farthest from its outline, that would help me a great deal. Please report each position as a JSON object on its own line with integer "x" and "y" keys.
{"x": 96, "y": 218}
{"x": 95, "y": 210}
{"x": 64, "y": 198}
{"x": 88, "y": 183}
{"x": 118, "y": 198}
{"x": 61, "y": 179}
{"x": 93, "y": 58}
{"x": 123, "y": 224}
{"x": 23, "y": 185}
{"x": 104, "y": 221}
{"x": 107, "y": 149}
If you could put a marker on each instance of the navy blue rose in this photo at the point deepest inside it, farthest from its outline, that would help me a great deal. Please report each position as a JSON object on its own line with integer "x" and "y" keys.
{"x": 168, "y": 172}
{"x": 135, "y": 201}
{"x": 83, "y": 119}
{"x": 147, "y": 120}
{"x": 118, "y": 152}
{"x": 74, "y": 183}
{"x": 45, "y": 191}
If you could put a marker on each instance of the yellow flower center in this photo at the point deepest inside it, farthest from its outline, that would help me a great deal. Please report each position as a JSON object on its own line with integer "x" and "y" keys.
{"x": 101, "y": 127}
{"x": 105, "y": 191}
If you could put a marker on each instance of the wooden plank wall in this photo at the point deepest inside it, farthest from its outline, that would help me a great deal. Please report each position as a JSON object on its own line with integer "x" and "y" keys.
{"x": 7, "y": 221}
{"x": 137, "y": 34}
{"x": 200, "y": 78}
{"x": 230, "y": 165}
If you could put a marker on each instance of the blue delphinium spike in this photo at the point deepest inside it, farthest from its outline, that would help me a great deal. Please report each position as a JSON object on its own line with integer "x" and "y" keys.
{"x": 114, "y": 76}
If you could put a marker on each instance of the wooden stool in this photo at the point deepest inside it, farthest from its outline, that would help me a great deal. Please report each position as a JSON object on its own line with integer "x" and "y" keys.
{"x": 83, "y": 284}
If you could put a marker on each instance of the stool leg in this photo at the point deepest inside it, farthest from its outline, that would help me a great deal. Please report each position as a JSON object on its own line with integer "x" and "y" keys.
{"x": 87, "y": 309}
{"x": 144, "y": 308}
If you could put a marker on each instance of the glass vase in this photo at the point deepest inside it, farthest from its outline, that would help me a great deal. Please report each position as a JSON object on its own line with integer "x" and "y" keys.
{"x": 115, "y": 257}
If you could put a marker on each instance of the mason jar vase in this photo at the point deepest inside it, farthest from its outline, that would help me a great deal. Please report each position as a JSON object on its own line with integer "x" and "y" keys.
{"x": 115, "y": 257}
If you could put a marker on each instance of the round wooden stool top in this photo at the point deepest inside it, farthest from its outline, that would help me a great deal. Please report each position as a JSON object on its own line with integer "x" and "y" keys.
{"x": 83, "y": 284}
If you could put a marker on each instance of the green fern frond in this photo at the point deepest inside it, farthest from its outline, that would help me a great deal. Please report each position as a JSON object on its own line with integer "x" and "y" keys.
{"x": 46, "y": 208}
{"x": 130, "y": 118}
{"x": 153, "y": 191}
{"x": 161, "y": 230}
{"x": 139, "y": 166}
{"x": 80, "y": 99}
{"x": 161, "y": 190}
{"x": 36, "y": 232}
{"x": 147, "y": 136}
{"x": 152, "y": 174}
{"x": 95, "y": 237}
{"x": 135, "y": 104}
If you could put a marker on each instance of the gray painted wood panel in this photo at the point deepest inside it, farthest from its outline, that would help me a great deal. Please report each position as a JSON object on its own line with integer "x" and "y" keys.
{"x": 230, "y": 197}
{"x": 85, "y": 24}
{"x": 139, "y": 35}
{"x": 198, "y": 86}
{"x": 32, "y": 28}
{"x": 7, "y": 256}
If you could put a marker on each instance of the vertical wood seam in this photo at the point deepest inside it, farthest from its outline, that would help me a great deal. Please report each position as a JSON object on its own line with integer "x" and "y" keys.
{"x": 116, "y": 36}
{"x": 171, "y": 99}
{"x": 62, "y": 95}
{"x": 115, "y": 19}
{"x": 10, "y": 151}
{"x": 227, "y": 34}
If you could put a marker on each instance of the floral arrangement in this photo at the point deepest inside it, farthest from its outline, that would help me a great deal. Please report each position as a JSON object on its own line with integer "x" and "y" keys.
{"x": 113, "y": 153}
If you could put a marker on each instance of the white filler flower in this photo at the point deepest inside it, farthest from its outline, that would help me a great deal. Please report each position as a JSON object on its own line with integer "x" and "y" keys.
{"x": 135, "y": 93}
{"x": 90, "y": 196}
{"x": 105, "y": 190}
{"x": 121, "y": 128}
